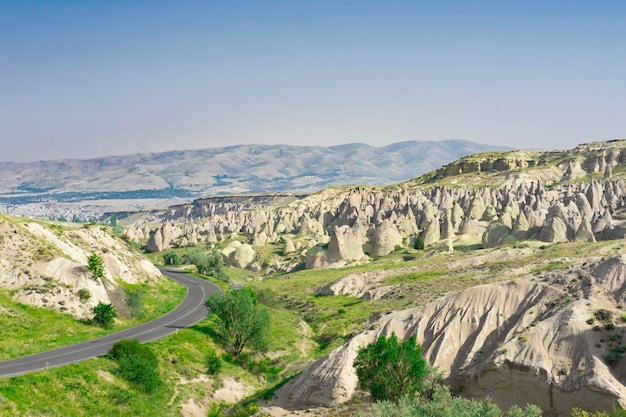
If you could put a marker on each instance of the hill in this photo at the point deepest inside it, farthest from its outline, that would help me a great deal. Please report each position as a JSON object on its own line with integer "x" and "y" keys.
{"x": 87, "y": 188}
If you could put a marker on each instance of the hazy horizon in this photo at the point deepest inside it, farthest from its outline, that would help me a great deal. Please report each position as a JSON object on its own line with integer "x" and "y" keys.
{"x": 85, "y": 80}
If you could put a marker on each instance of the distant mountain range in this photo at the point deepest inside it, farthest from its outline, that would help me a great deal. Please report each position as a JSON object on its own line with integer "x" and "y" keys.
{"x": 191, "y": 174}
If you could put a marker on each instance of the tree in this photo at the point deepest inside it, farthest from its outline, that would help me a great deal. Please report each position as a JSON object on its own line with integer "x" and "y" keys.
{"x": 419, "y": 243}
{"x": 103, "y": 314}
{"x": 171, "y": 258}
{"x": 213, "y": 363}
{"x": 96, "y": 265}
{"x": 210, "y": 263}
{"x": 136, "y": 364}
{"x": 389, "y": 369}
{"x": 239, "y": 320}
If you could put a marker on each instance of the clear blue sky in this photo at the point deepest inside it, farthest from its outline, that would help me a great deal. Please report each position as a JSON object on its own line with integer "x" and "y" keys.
{"x": 94, "y": 78}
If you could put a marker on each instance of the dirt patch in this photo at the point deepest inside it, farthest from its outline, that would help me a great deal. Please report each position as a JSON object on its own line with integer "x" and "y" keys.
{"x": 193, "y": 409}
{"x": 232, "y": 391}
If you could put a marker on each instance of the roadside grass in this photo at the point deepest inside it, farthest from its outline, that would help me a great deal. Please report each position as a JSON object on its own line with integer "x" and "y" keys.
{"x": 26, "y": 329}
{"x": 93, "y": 388}
{"x": 86, "y": 389}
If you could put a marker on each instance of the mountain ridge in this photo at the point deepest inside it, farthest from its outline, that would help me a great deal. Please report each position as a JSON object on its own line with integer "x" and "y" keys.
{"x": 189, "y": 174}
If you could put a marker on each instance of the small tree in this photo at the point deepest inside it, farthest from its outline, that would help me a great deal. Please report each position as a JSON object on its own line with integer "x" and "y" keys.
{"x": 210, "y": 263}
{"x": 136, "y": 364}
{"x": 240, "y": 321}
{"x": 389, "y": 369}
{"x": 172, "y": 258}
{"x": 96, "y": 265}
{"x": 419, "y": 243}
{"x": 103, "y": 314}
{"x": 213, "y": 363}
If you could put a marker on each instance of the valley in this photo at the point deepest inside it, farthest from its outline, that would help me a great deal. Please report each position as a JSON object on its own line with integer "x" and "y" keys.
{"x": 508, "y": 266}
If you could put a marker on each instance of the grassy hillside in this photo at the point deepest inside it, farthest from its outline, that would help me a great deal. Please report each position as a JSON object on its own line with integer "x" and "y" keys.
{"x": 306, "y": 325}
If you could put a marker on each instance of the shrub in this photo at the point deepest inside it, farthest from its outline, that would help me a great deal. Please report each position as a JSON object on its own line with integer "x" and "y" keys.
{"x": 103, "y": 314}
{"x": 443, "y": 404}
{"x": 210, "y": 263}
{"x": 605, "y": 316}
{"x": 172, "y": 258}
{"x": 213, "y": 363}
{"x": 131, "y": 347}
{"x": 419, "y": 243}
{"x": 137, "y": 364}
{"x": 84, "y": 294}
{"x": 96, "y": 265}
{"x": 389, "y": 369}
{"x": 615, "y": 355}
{"x": 139, "y": 371}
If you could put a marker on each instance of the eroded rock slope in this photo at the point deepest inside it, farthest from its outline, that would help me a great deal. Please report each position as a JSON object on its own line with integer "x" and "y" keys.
{"x": 536, "y": 340}
{"x": 47, "y": 267}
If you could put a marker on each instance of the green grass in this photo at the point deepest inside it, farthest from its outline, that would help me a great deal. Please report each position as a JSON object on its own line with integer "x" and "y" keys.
{"x": 426, "y": 275}
{"x": 26, "y": 329}
{"x": 79, "y": 390}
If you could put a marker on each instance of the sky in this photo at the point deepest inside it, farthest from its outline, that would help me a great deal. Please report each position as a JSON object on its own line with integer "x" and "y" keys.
{"x": 82, "y": 79}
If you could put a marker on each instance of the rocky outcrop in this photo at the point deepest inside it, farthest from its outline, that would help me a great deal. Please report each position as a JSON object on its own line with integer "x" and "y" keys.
{"x": 163, "y": 237}
{"x": 363, "y": 221}
{"x": 515, "y": 342}
{"x": 47, "y": 267}
{"x": 239, "y": 255}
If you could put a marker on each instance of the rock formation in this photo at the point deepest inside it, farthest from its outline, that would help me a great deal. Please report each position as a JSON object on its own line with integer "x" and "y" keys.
{"x": 515, "y": 342}
{"x": 371, "y": 221}
{"x": 47, "y": 268}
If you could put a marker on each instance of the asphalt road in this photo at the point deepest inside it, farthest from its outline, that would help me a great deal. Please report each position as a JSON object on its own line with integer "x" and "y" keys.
{"x": 190, "y": 311}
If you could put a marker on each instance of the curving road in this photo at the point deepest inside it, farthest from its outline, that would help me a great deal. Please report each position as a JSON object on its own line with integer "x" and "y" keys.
{"x": 190, "y": 311}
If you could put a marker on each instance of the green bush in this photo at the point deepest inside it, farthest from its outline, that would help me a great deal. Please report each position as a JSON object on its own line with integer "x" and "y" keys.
{"x": 139, "y": 371}
{"x": 389, "y": 369}
{"x": 96, "y": 265}
{"x": 172, "y": 258}
{"x": 615, "y": 355}
{"x": 443, "y": 404}
{"x": 617, "y": 412}
{"x": 137, "y": 364}
{"x": 84, "y": 294}
{"x": 131, "y": 347}
{"x": 213, "y": 363}
{"x": 211, "y": 263}
{"x": 103, "y": 314}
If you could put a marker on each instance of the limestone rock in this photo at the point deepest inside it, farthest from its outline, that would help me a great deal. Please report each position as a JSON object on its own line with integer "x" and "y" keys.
{"x": 345, "y": 244}
{"x": 289, "y": 246}
{"x": 383, "y": 239}
{"x": 239, "y": 255}
{"x": 316, "y": 257}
